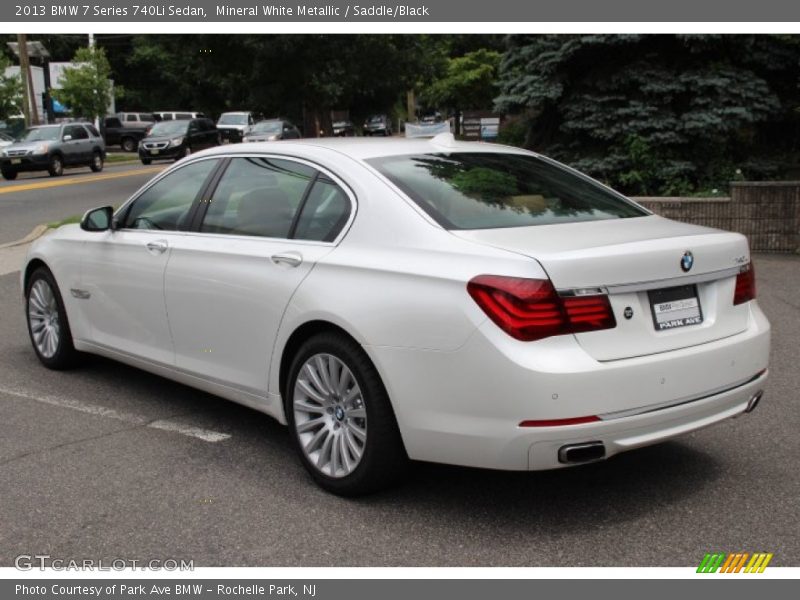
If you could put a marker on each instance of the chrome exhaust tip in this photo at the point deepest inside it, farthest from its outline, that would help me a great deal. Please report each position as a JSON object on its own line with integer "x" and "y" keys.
{"x": 753, "y": 402}
{"x": 575, "y": 454}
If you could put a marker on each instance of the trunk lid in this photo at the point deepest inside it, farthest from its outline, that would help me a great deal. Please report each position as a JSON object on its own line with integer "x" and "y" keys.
{"x": 633, "y": 259}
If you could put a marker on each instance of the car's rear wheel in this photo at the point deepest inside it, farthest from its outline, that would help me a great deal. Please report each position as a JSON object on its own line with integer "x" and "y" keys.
{"x": 9, "y": 174}
{"x": 128, "y": 145}
{"x": 56, "y": 168}
{"x": 48, "y": 326}
{"x": 97, "y": 162}
{"x": 341, "y": 419}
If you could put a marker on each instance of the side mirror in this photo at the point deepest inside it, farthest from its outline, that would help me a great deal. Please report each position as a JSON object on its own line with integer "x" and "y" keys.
{"x": 67, "y": 138}
{"x": 98, "y": 219}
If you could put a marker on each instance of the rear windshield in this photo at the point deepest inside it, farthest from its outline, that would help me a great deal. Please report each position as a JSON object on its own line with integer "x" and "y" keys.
{"x": 492, "y": 190}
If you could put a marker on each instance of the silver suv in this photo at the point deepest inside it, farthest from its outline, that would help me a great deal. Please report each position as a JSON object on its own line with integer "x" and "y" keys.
{"x": 52, "y": 147}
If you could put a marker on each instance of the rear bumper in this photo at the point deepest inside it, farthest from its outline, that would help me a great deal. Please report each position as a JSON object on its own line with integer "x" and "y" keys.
{"x": 465, "y": 407}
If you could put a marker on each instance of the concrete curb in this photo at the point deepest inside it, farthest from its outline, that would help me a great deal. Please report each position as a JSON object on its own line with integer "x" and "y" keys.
{"x": 37, "y": 232}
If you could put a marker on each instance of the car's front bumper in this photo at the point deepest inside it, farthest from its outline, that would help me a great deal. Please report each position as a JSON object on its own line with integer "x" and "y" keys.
{"x": 31, "y": 162}
{"x": 465, "y": 407}
{"x": 170, "y": 152}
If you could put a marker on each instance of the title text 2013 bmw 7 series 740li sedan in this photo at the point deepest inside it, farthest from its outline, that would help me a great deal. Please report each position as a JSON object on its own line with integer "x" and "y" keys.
{"x": 431, "y": 300}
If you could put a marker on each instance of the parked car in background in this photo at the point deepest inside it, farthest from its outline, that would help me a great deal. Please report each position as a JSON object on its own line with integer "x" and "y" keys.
{"x": 271, "y": 130}
{"x": 233, "y": 125}
{"x": 378, "y": 125}
{"x": 343, "y": 129}
{"x": 462, "y": 303}
{"x": 124, "y": 134}
{"x": 52, "y": 147}
{"x": 5, "y": 140}
{"x": 174, "y": 139}
{"x": 136, "y": 119}
{"x": 177, "y": 115}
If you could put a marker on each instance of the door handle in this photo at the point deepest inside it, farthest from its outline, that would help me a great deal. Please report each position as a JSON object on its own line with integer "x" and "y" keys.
{"x": 157, "y": 247}
{"x": 293, "y": 259}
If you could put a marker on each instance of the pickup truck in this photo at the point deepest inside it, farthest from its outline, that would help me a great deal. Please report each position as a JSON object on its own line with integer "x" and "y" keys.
{"x": 127, "y": 136}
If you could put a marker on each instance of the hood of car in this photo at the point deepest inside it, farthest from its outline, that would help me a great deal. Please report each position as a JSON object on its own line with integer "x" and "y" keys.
{"x": 25, "y": 146}
{"x": 162, "y": 138}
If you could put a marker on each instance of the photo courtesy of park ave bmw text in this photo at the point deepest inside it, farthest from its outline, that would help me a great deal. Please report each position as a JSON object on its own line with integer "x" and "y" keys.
{"x": 288, "y": 290}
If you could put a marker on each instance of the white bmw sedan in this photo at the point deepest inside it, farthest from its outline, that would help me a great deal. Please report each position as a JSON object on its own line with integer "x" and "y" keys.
{"x": 431, "y": 300}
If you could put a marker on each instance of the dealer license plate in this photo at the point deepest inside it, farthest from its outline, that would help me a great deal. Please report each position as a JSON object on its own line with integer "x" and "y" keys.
{"x": 675, "y": 307}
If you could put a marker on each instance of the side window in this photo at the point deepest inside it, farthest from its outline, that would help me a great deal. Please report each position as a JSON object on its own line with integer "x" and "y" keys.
{"x": 166, "y": 117}
{"x": 183, "y": 116}
{"x": 130, "y": 117}
{"x": 167, "y": 204}
{"x": 91, "y": 129}
{"x": 257, "y": 196}
{"x": 75, "y": 132}
{"x": 113, "y": 122}
{"x": 325, "y": 212}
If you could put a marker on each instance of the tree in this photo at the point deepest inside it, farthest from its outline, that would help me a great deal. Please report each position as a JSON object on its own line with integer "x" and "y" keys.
{"x": 468, "y": 81}
{"x": 10, "y": 91}
{"x": 86, "y": 87}
{"x": 657, "y": 114}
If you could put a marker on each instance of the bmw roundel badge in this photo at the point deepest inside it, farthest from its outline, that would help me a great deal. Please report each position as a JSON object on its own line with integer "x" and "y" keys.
{"x": 687, "y": 260}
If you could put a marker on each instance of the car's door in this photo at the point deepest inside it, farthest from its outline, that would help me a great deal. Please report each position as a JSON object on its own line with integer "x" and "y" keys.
{"x": 228, "y": 284}
{"x": 123, "y": 269}
{"x": 74, "y": 145}
{"x": 195, "y": 137}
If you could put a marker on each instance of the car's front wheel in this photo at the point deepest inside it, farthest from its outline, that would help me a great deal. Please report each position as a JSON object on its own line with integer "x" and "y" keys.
{"x": 56, "y": 168}
{"x": 9, "y": 174}
{"x": 342, "y": 422}
{"x": 129, "y": 145}
{"x": 47, "y": 322}
{"x": 97, "y": 162}
{"x": 146, "y": 161}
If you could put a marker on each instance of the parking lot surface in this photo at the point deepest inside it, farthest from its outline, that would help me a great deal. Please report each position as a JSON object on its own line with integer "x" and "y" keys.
{"x": 110, "y": 462}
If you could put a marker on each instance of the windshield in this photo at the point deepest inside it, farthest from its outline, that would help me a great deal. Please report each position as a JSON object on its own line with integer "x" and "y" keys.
{"x": 37, "y": 134}
{"x": 376, "y": 119}
{"x": 268, "y": 127}
{"x": 169, "y": 128}
{"x": 491, "y": 190}
{"x": 233, "y": 120}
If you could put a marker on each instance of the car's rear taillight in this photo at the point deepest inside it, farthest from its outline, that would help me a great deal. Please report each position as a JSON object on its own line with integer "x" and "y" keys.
{"x": 745, "y": 285}
{"x": 530, "y": 309}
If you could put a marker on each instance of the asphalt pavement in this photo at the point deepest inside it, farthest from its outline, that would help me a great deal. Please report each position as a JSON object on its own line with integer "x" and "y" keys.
{"x": 109, "y": 462}
{"x": 35, "y": 198}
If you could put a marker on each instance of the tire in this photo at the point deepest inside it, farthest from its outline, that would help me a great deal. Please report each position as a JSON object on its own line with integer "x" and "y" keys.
{"x": 347, "y": 454}
{"x": 9, "y": 174}
{"x": 97, "y": 162}
{"x": 128, "y": 144}
{"x": 56, "y": 168}
{"x": 146, "y": 161}
{"x": 186, "y": 152}
{"x": 48, "y": 326}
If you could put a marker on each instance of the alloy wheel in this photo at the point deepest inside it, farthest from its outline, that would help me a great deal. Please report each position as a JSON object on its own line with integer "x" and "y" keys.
{"x": 44, "y": 319}
{"x": 329, "y": 415}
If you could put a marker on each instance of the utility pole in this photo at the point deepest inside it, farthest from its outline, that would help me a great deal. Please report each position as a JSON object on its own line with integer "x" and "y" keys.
{"x": 24, "y": 69}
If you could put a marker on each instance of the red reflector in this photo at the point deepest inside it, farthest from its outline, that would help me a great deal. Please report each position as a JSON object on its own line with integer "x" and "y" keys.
{"x": 560, "y": 422}
{"x": 530, "y": 309}
{"x": 745, "y": 285}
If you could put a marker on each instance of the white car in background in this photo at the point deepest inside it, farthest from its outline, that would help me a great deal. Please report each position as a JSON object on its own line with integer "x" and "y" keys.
{"x": 389, "y": 300}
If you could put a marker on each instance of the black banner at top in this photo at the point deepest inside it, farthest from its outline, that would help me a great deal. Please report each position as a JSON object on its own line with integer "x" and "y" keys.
{"x": 421, "y": 11}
